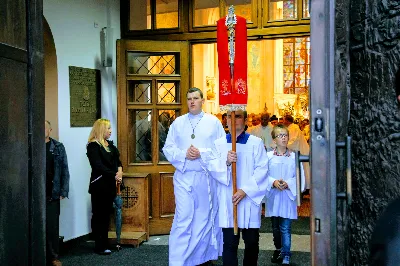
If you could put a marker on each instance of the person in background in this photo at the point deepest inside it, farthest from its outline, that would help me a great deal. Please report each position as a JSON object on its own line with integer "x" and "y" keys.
{"x": 256, "y": 120}
{"x": 281, "y": 195}
{"x": 306, "y": 130}
{"x": 297, "y": 142}
{"x": 106, "y": 173}
{"x": 57, "y": 188}
{"x": 274, "y": 120}
{"x": 224, "y": 123}
{"x": 263, "y": 130}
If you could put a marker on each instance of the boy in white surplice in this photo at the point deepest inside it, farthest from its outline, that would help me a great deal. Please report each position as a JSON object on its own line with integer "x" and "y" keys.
{"x": 281, "y": 195}
{"x": 252, "y": 167}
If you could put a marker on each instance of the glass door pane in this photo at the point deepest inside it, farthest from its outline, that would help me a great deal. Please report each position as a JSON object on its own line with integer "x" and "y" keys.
{"x": 168, "y": 91}
{"x": 140, "y": 15}
{"x": 243, "y": 8}
{"x": 152, "y": 64}
{"x": 306, "y": 8}
{"x": 167, "y": 15}
{"x": 206, "y": 12}
{"x": 165, "y": 119}
{"x": 140, "y": 139}
{"x": 282, "y": 9}
{"x": 139, "y": 91}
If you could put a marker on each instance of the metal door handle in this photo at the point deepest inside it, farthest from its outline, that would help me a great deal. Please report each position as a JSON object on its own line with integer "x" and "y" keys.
{"x": 348, "y": 195}
{"x": 299, "y": 159}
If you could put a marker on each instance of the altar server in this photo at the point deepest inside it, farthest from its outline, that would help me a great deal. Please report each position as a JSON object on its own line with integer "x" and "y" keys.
{"x": 194, "y": 237}
{"x": 252, "y": 167}
{"x": 281, "y": 196}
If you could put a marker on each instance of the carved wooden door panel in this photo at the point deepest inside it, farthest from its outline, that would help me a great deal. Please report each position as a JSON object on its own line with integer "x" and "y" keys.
{"x": 153, "y": 77}
{"x": 22, "y": 154}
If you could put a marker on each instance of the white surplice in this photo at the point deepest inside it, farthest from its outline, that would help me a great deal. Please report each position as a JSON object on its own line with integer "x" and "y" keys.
{"x": 282, "y": 203}
{"x": 263, "y": 133}
{"x": 194, "y": 237}
{"x": 297, "y": 142}
{"x": 251, "y": 169}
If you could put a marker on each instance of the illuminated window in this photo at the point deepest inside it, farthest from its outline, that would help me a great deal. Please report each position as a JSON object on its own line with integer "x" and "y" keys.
{"x": 306, "y": 8}
{"x": 296, "y": 65}
{"x": 242, "y": 8}
{"x": 282, "y": 9}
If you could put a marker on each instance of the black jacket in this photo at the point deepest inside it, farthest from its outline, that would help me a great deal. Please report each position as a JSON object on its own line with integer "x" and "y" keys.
{"x": 104, "y": 167}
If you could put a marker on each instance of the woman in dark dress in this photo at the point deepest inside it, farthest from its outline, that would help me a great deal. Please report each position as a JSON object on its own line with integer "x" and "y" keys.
{"x": 106, "y": 172}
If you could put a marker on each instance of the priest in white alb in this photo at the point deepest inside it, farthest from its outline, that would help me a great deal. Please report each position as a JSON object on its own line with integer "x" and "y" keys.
{"x": 297, "y": 142}
{"x": 195, "y": 238}
{"x": 263, "y": 130}
{"x": 252, "y": 168}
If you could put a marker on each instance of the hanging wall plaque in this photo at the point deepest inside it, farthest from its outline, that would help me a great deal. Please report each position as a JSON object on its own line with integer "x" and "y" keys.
{"x": 85, "y": 96}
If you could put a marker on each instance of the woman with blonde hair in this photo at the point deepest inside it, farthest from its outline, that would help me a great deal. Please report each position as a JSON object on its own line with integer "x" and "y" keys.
{"x": 106, "y": 173}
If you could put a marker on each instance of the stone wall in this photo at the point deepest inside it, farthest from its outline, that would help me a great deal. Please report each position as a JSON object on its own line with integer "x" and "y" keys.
{"x": 374, "y": 116}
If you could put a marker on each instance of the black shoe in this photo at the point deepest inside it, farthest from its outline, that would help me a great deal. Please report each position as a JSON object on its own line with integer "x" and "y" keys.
{"x": 276, "y": 257}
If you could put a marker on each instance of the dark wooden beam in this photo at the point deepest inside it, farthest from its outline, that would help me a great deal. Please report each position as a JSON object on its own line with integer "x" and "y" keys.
{"x": 36, "y": 117}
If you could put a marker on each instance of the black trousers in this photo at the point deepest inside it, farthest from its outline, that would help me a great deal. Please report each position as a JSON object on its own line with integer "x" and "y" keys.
{"x": 250, "y": 237}
{"x": 102, "y": 206}
{"x": 52, "y": 229}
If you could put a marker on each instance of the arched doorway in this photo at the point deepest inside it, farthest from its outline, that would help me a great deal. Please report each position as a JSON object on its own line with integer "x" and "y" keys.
{"x": 51, "y": 79}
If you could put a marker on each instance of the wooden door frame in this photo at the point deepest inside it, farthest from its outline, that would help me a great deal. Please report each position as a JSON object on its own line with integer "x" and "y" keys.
{"x": 323, "y": 139}
{"x": 160, "y": 198}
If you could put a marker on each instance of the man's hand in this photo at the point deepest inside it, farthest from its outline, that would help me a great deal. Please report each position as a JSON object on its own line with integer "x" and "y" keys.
{"x": 284, "y": 185}
{"x": 239, "y": 195}
{"x": 280, "y": 184}
{"x": 232, "y": 157}
{"x": 192, "y": 153}
{"x": 61, "y": 197}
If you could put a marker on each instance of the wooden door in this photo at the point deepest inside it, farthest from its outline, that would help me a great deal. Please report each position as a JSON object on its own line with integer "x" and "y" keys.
{"x": 22, "y": 153}
{"x": 153, "y": 78}
{"x": 330, "y": 146}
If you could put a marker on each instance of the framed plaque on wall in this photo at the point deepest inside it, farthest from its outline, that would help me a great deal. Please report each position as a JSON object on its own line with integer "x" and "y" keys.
{"x": 85, "y": 96}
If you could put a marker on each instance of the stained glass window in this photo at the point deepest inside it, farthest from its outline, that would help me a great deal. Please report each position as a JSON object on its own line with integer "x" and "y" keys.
{"x": 296, "y": 65}
{"x": 306, "y": 8}
{"x": 282, "y": 9}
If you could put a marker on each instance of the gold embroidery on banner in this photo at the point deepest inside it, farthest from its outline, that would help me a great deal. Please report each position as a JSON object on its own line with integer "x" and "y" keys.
{"x": 240, "y": 86}
{"x": 225, "y": 86}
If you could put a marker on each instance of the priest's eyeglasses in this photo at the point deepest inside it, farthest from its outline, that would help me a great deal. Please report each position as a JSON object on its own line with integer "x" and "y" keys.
{"x": 281, "y": 136}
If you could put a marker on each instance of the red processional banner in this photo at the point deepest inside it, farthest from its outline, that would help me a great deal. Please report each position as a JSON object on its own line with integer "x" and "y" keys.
{"x": 231, "y": 99}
